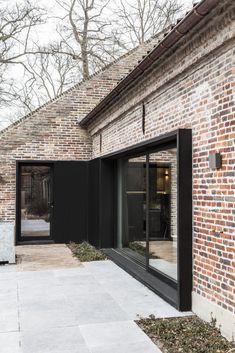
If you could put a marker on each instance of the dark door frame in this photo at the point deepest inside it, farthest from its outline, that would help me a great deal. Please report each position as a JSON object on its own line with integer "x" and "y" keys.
{"x": 19, "y": 164}
{"x": 182, "y": 140}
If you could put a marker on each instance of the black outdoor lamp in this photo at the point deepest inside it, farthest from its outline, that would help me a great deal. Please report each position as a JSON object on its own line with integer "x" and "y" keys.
{"x": 215, "y": 160}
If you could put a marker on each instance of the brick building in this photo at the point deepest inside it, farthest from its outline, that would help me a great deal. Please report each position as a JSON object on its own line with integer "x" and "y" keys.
{"x": 139, "y": 160}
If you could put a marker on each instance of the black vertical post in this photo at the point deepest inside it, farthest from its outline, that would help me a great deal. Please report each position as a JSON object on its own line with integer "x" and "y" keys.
{"x": 107, "y": 209}
{"x": 18, "y": 202}
{"x": 51, "y": 200}
{"x": 147, "y": 210}
{"x": 184, "y": 218}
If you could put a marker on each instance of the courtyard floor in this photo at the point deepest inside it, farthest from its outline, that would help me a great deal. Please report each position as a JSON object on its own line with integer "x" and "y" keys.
{"x": 88, "y": 308}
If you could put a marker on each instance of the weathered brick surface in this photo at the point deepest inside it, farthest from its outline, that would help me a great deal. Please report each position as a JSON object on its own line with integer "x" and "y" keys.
{"x": 192, "y": 87}
{"x": 52, "y": 132}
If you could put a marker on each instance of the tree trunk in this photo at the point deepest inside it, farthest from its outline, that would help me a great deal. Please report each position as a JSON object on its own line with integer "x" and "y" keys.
{"x": 85, "y": 65}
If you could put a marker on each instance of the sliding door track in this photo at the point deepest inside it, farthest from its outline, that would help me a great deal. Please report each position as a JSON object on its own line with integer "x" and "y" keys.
{"x": 165, "y": 289}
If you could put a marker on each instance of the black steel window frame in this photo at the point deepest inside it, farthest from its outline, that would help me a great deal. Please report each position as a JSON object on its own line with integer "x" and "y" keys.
{"x": 19, "y": 165}
{"x": 182, "y": 140}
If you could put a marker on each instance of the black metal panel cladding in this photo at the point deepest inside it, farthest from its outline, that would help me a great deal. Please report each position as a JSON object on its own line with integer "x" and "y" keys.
{"x": 84, "y": 202}
{"x": 94, "y": 202}
{"x": 184, "y": 218}
{"x": 70, "y": 201}
{"x": 108, "y": 203}
{"x": 101, "y": 202}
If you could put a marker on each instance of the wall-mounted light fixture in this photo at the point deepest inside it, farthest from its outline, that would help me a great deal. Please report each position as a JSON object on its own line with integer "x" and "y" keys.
{"x": 2, "y": 181}
{"x": 215, "y": 160}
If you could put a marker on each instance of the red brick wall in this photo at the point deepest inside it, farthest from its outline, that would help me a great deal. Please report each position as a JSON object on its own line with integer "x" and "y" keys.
{"x": 193, "y": 87}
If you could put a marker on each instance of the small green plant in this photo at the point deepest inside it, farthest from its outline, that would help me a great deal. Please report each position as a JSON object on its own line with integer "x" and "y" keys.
{"x": 86, "y": 252}
{"x": 185, "y": 335}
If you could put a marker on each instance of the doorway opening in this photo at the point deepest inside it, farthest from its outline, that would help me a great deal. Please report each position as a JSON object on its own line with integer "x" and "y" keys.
{"x": 35, "y": 202}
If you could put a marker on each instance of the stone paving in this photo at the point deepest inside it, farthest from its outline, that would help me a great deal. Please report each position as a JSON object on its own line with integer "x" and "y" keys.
{"x": 88, "y": 309}
{"x": 39, "y": 257}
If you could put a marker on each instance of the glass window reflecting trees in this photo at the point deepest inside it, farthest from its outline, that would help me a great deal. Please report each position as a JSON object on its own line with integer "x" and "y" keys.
{"x": 35, "y": 196}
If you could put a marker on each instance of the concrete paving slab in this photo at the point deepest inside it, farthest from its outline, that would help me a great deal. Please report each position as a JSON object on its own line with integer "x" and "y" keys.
{"x": 137, "y": 347}
{"x": 32, "y": 294}
{"x": 104, "y": 334}
{"x": 10, "y": 342}
{"x": 66, "y": 339}
{"x": 43, "y": 304}
{"x": 82, "y": 289}
{"x": 9, "y": 320}
{"x": 8, "y": 289}
{"x": 63, "y": 273}
{"x": 87, "y": 315}
{"x": 46, "y": 319}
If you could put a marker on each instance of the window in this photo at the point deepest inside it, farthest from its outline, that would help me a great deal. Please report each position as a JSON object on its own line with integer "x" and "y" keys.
{"x": 148, "y": 210}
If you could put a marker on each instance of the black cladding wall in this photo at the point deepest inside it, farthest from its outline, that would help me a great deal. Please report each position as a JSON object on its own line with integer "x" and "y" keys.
{"x": 84, "y": 202}
{"x": 70, "y": 201}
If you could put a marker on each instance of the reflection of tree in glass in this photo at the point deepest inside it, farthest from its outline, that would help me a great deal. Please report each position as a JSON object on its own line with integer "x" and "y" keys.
{"x": 38, "y": 205}
{"x": 140, "y": 249}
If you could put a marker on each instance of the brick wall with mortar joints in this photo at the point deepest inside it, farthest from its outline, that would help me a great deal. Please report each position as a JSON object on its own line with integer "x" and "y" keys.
{"x": 201, "y": 98}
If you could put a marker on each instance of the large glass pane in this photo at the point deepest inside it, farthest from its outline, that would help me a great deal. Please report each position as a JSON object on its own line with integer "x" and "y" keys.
{"x": 163, "y": 212}
{"x": 35, "y": 201}
{"x": 132, "y": 207}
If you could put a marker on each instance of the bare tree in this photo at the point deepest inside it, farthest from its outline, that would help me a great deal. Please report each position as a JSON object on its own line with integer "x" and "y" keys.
{"x": 50, "y": 75}
{"x": 138, "y": 20}
{"x": 87, "y": 36}
{"x": 16, "y": 24}
{"x": 53, "y": 74}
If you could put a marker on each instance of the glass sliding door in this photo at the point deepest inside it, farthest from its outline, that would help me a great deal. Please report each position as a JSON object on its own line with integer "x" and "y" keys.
{"x": 35, "y": 201}
{"x": 155, "y": 215}
{"x": 162, "y": 210}
{"x": 132, "y": 207}
{"x": 147, "y": 210}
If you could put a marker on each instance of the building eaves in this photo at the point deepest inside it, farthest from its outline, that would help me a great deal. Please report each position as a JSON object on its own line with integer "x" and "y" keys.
{"x": 178, "y": 31}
